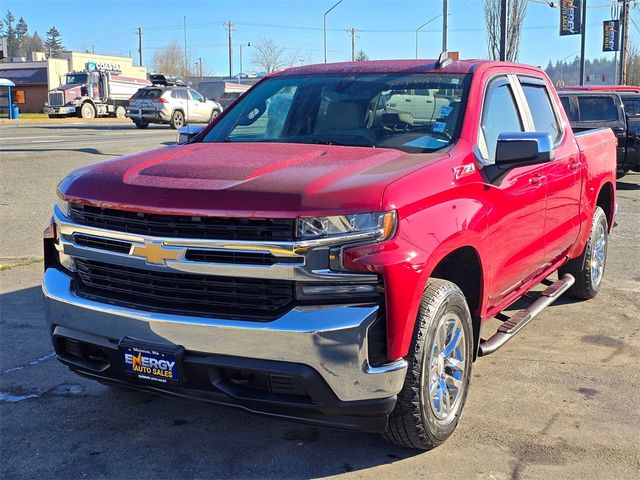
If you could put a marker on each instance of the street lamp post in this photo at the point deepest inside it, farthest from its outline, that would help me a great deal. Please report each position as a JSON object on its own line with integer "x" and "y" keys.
{"x": 420, "y": 27}
{"x": 324, "y": 29}
{"x": 240, "y": 74}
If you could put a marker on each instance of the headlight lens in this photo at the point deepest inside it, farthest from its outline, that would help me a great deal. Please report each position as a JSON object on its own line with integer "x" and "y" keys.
{"x": 340, "y": 225}
{"x": 63, "y": 206}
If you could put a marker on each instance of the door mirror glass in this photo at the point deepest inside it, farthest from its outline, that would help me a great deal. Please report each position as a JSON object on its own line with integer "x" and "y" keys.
{"x": 188, "y": 133}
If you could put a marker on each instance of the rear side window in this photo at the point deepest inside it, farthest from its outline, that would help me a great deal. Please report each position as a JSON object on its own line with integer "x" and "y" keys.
{"x": 593, "y": 108}
{"x": 500, "y": 116}
{"x": 179, "y": 93}
{"x": 544, "y": 120}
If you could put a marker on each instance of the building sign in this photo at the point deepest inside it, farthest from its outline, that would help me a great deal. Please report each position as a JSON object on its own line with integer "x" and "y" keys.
{"x": 610, "y": 36}
{"x": 570, "y": 17}
{"x": 93, "y": 66}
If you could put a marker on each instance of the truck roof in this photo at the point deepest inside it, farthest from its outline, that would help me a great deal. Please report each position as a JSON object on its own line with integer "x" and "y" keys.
{"x": 391, "y": 66}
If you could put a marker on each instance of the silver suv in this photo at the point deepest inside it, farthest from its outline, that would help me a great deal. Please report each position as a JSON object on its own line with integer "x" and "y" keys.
{"x": 170, "y": 100}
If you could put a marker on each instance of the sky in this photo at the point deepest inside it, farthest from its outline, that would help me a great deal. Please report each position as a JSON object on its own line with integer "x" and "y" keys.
{"x": 386, "y": 28}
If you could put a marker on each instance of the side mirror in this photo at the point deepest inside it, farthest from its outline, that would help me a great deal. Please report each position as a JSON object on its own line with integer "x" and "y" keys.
{"x": 519, "y": 149}
{"x": 188, "y": 133}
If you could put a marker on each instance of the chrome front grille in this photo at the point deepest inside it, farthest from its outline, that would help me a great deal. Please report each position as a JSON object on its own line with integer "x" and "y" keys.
{"x": 56, "y": 99}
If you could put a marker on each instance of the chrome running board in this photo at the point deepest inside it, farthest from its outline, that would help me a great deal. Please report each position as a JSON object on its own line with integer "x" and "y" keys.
{"x": 512, "y": 325}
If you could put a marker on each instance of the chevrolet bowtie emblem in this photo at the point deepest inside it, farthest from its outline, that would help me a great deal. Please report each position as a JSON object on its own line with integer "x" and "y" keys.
{"x": 155, "y": 253}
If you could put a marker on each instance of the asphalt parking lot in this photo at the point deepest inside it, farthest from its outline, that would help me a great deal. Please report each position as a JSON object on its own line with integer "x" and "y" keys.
{"x": 560, "y": 401}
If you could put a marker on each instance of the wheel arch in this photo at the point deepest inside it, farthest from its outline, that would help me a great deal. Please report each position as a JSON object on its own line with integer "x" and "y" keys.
{"x": 463, "y": 267}
{"x": 606, "y": 201}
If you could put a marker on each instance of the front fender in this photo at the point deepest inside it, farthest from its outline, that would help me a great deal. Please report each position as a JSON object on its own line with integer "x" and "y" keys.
{"x": 407, "y": 261}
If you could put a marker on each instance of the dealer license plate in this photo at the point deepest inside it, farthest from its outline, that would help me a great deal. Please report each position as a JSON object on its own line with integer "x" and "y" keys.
{"x": 147, "y": 361}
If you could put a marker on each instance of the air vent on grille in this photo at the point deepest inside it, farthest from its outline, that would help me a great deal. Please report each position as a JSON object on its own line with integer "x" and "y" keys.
{"x": 184, "y": 294}
{"x": 178, "y": 226}
{"x": 102, "y": 243}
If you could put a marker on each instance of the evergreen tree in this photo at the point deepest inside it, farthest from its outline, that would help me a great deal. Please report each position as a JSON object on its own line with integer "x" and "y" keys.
{"x": 53, "y": 43}
{"x": 362, "y": 56}
{"x": 10, "y": 34}
{"x": 32, "y": 44}
{"x": 22, "y": 34}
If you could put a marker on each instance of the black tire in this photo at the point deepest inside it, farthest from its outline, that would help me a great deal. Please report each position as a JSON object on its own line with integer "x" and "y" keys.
{"x": 214, "y": 115}
{"x": 414, "y": 422}
{"x": 620, "y": 174}
{"x": 87, "y": 110}
{"x": 588, "y": 269}
{"x": 177, "y": 120}
{"x": 141, "y": 125}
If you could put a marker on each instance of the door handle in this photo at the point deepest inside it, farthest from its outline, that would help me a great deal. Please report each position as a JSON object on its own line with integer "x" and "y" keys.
{"x": 537, "y": 180}
{"x": 575, "y": 166}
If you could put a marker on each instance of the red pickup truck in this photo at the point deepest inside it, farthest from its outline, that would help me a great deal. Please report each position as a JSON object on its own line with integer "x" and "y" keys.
{"x": 331, "y": 248}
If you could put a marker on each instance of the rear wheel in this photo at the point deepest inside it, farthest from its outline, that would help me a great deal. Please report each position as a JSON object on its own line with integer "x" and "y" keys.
{"x": 177, "y": 119}
{"x": 435, "y": 390}
{"x": 588, "y": 268}
{"x": 87, "y": 110}
{"x": 120, "y": 112}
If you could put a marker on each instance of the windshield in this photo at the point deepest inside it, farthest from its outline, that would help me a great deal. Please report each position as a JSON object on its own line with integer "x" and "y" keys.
{"x": 412, "y": 113}
{"x": 76, "y": 78}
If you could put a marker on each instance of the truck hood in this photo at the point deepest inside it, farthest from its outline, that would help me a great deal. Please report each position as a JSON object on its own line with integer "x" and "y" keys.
{"x": 276, "y": 180}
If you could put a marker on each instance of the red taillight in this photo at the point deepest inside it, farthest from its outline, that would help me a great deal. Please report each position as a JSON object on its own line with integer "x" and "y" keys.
{"x": 159, "y": 100}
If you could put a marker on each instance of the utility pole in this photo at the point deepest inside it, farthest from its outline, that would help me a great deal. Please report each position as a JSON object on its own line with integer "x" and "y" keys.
{"x": 353, "y": 32}
{"x": 504, "y": 15}
{"x": 139, "y": 33}
{"x": 624, "y": 37}
{"x": 583, "y": 41}
{"x": 445, "y": 26}
{"x": 229, "y": 26}
{"x": 200, "y": 64}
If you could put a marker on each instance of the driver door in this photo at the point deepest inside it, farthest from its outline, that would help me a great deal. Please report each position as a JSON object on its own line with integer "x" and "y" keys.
{"x": 518, "y": 201}
{"x": 198, "y": 108}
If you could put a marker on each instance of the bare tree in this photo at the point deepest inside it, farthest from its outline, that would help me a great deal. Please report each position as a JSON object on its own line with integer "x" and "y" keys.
{"x": 633, "y": 65}
{"x": 269, "y": 56}
{"x": 517, "y": 12}
{"x": 170, "y": 61}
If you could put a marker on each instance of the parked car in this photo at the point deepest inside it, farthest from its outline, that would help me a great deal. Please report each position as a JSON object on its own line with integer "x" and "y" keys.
{"x": 170, "y": 100}
{"x": 313, "y": 255}
{"x": 224, "y": 92}
{"x": 588, "y": 109}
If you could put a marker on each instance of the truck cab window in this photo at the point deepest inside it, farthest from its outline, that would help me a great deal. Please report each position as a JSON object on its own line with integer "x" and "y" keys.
{"x": 500, "y": 116}
{"x": 544, "y": 120}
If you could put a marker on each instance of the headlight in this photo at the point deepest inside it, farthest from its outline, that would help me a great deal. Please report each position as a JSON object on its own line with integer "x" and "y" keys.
{"x": 384, "y": 223}
{"x": 63, "y": 206}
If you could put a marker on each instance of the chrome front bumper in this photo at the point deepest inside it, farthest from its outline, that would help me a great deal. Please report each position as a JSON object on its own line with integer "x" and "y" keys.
{"x": 331, "y": 339}
{"x": 59, "y": 110}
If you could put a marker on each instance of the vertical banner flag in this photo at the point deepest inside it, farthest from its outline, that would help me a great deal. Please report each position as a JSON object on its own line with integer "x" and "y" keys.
{"x": 610, "y": 36}
{"x": 570, "y": 17}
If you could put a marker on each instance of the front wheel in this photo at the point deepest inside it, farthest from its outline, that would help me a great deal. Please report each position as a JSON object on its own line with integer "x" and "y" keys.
{"x": 87, "y": 110}
{"x": 214, "y": 115}
{"x": 588, "y": 268}
{"x": 140, "y": 124}
{"x": 431, "y": 401}
{"x": 177, "y": 120}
